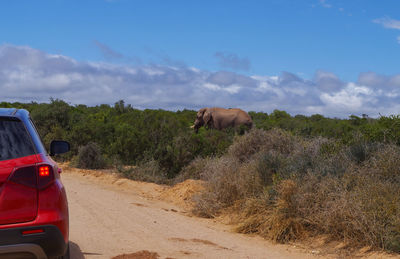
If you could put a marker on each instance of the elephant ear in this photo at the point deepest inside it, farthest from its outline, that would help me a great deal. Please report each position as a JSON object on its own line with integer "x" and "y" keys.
{"x": 207, "y": 117}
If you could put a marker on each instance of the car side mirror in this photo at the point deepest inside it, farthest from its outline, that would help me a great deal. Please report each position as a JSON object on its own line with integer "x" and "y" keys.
{"x": 59, "y": 147}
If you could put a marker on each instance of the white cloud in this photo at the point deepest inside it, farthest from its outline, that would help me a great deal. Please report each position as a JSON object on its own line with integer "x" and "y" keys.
{"x": 327, "y": 81}
{"x": 212, "y": 86}
{"x": 233, "y": 89}
{"x": 388, "y": 22}
{"x": 28, "y": 74}
{"x": 324, "y": 3}
{"x": 351, "y": 99}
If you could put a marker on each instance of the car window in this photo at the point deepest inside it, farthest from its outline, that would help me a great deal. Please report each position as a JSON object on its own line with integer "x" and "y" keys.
{"x": 15, "y": 141}
{"x": 36, "y": 138}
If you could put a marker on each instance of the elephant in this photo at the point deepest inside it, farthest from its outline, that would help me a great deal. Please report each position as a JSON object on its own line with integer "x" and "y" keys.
{"x": 220, "y": 118}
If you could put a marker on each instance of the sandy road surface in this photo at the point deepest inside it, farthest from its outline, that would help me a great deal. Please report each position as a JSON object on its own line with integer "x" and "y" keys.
{"x": 111, "y": 216}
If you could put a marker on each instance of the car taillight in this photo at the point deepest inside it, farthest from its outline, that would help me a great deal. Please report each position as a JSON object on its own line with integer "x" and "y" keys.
{"x": 45, "y": 176}
{"x": 44, "y": 171}
{"x": 25, "y": 176}
{"x": 39, "y": 176}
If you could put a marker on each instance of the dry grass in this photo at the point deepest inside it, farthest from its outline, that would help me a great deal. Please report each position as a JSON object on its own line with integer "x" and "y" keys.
{"x": 277, "y": 221}
{"x": 226, "y": 182}
{"x": 258, "y": 140}
{"x": 358, "y": 207}
{"x": 283, "y": 188}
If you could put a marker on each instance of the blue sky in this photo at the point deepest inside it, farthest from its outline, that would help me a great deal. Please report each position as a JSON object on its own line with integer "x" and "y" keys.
{"x": 327, "y": 53}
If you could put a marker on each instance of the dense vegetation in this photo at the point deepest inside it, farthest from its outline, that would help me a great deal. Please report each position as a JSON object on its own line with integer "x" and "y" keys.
{"x": 125, "y": 135}
{"x": 129, "y": 136}
{"x": 291, "y": 176}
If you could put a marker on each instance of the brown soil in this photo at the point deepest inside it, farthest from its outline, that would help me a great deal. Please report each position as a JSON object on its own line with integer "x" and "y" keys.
{"x": 138, "y": 255}
{"x": 181, "y": 194}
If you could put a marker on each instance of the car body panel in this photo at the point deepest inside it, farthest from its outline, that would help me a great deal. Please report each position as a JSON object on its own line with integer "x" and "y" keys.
{"x": 24, "y": 207}
{"x": 18, "y": 203}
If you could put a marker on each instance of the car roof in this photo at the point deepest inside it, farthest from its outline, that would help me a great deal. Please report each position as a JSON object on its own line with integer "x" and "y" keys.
{"x": 13, "y": 112}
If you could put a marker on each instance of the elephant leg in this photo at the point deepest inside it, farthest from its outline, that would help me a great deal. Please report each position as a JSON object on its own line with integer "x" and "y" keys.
{"x": 249, "y": 125}
{"x": 241, "y": 129}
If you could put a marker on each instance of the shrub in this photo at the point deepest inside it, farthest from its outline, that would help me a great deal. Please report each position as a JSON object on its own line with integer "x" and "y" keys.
{"x": 90, "y": 157}
{"x": 270, "y": 165}
{"x": 244, "y": 147}
{"x": 254, "y": 161}
{"x": 227, "y": 182}
{"x": 148, "y": 171}
{"x": 283, "y": 187}
{"x": 357, "y": 207}
{"x": 194, "y": 170}
{"x": 360, "y": 150}
{"x": 276, "y": 220}
{"x": 185, "y": 147}
{"x": 319, "y": 155}
{"x": 386, "y": 161}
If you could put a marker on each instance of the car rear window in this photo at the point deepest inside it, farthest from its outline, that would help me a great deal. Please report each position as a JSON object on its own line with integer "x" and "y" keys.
{"x": 15, "y": 141}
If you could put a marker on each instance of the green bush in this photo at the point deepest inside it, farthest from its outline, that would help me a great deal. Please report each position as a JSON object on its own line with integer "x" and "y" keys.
{"x": 90, "y": 157}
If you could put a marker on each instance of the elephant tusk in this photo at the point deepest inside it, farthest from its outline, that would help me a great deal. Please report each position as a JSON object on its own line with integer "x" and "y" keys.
{"x": 192, "y": 127}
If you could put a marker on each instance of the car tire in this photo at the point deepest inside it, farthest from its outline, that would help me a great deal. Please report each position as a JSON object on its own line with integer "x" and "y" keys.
{"x": 66, "y": 256}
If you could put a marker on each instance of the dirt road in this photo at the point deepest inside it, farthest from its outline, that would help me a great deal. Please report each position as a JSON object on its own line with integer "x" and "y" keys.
{"x": 110, "y": 217}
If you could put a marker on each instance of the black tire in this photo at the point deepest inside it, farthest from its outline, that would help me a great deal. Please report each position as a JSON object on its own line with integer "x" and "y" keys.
{"x": 66, "y": 256}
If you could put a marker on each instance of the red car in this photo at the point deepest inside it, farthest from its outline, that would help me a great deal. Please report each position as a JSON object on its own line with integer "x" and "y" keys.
{"x": 33, "y": 202}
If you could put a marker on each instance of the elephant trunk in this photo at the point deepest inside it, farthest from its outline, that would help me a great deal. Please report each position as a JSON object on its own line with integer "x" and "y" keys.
{"x": 195, "y": 127}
